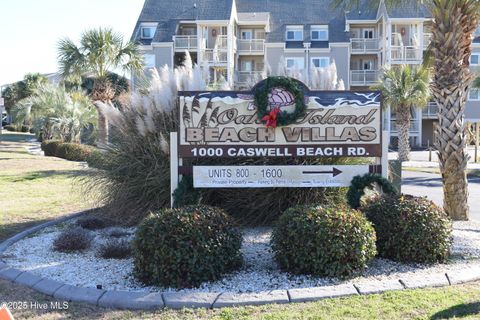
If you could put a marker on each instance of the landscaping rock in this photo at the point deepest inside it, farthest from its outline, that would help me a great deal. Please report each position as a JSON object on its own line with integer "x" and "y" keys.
{"x": 79, "y": 294}
{"x": 131, "y": 300}
{"x": 229, "y": 299}
{"x": 317, "y": 293}
{"x": 431, "y": 280}
{"x": 176, "y": 300}
{"x": 461, "y": 276}
{"x": 48, "y": 286}
{"x": 379, "y": 286}
{"x": 10, "y": 274}
{"x": 28, "y": 279}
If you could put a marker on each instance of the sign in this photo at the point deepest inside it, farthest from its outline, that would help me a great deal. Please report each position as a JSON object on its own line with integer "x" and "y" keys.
{"x": 226, "y": 124}
{"x": 277, "y": 176}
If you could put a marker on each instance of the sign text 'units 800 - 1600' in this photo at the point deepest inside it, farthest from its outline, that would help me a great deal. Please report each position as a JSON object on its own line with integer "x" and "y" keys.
{"x": 226, "y": 124}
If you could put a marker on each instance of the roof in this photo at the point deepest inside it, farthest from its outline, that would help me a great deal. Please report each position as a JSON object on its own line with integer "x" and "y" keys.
{"x": 168, "y": 13}
{"x": 279, "y": 13}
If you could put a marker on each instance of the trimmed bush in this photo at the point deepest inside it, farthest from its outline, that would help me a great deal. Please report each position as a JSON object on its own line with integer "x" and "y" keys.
{"x": 96, "y": 159}
{"x": 185, "y": 247}
{"x": 10, "y": 127}
{"x": 74, "y": 151}
{"x": 73, "y": 239}
{"x": 49, "y": 147}
{"x": 115, "y": 249}
{"x": 333, "y": 241}
{"x": 410, "y": 229}
{"x": 91, "y": 223}
{"x": 24, "y": 128}
{"x": 118, "y": 233}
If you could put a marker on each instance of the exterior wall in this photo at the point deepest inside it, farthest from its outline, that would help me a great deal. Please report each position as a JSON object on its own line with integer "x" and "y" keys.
{"x": 273, "y": 56}
{"x": 341, "y": 56}
{"x": 163, "y": 56}
{"x": 472, "y": 111}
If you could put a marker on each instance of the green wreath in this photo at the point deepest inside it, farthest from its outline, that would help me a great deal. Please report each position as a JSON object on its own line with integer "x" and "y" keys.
{"x": 261, "y": 99}
{"x": 359, "y": 183}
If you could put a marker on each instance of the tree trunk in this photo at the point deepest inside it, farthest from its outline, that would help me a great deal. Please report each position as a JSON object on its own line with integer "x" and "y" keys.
{"x": 102, "y": 91}
{"x": 454, "y": 23}
{"x": 403, "y": 125}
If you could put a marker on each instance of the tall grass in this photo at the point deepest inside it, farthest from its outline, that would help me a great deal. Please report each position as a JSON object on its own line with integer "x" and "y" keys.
{"x": 135, "y": 174}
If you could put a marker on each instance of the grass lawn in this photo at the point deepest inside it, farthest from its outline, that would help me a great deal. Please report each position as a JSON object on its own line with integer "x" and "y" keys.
{"x": 35, "y": 189}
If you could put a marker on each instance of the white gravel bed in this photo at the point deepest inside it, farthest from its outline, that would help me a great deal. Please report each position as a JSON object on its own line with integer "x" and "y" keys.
{"x": 259, "y": 273}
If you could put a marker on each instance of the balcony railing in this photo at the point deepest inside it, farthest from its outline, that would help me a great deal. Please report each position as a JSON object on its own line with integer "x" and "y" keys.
{"x": 221, "y": 43}
{"x": 251, "y": 46}
{"x": 405, "y": 53}
{"x": 360, "y": 45}
{"x": 249, "y": 76}
{"x": 214, "y": 56}
{"x": 363, "y": 77}
{"x": 427, "y": 38}
{"x": 186, "y": 42}
{"x": 430, "y": 111}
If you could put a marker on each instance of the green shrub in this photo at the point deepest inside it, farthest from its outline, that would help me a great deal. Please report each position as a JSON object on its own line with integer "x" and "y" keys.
{"x": 334, "y": 241}
{"x": 185, "y": 247}
{"x": 73, "y": 239}
{"x": 91, "y": 223}
{"x": 115, "y": 249}
{"x": 24, "y": 128}
{"x": 73, "y": 151}
{"x": 97, "y": 159}
{"x": 49, "y": 147}
{"x": 410, "y": 229}
{"x": 10, "y": 127}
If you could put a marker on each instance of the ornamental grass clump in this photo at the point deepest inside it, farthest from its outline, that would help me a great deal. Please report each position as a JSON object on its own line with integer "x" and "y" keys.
{"x": 91, "y": 223}
{"x": 73, "y": 239}
{"x": 115, "y": 249}
{"x": 185, "y": 247}
{"x": 332, "y": 241}
{"x": 410, "y": 229}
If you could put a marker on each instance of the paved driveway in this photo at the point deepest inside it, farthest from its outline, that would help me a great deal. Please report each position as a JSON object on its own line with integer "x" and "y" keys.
{"x": 430, "y": 185}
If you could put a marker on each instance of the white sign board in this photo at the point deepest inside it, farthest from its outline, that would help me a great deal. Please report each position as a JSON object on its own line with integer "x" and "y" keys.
{"x": 276, "y": 176}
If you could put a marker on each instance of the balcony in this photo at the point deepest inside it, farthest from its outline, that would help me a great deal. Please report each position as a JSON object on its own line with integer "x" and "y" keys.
{"x": 186, "y": 42}
{"x": 251, "y": 46}
{"x": 214, "y": 56}
{"x": 430, "y": 111}
{"x": 363, "y": 77}
{"x": 245, "y": 77}
{"x": 220, "y": 43}
{"x": 406, "y": 54}
{"x": 362, "y": 46}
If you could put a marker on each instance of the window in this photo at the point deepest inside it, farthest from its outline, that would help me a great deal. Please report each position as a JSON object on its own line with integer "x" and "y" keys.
{"x": 148, "y": 60}
{"x": 246, "y": 34}
{"x": 247, "y": 65}
{"x": 319, "y": 33}
{"x": 368, "y": 33}
{"x": 474, "y": 94}
{"x": 298, "y": 63}
{"x": 320, "y": 62}
{"x": 475, "y": 59}
{"x": 294, "y": 33}
{"x": 147, "y": 32}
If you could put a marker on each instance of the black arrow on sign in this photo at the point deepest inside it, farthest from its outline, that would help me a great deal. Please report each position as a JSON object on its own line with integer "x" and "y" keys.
{"x": 335, "y": 172}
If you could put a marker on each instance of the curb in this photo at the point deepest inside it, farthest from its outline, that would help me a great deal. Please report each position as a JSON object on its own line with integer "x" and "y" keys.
{"x": 176, "y": 300}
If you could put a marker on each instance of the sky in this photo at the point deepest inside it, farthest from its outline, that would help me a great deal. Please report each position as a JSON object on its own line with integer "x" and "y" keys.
{"x": 30, "y": 30}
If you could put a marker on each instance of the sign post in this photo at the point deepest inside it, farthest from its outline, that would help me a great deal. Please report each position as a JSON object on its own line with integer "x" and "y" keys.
{"x": 225, "y": 124}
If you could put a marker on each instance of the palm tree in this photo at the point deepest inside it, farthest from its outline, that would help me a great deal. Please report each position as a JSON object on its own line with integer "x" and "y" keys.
{"x": 101, "y": 51}
{"x": 56, "y": 113}
{"x": 454, "y": 24}
{"x": 404, "y": 88}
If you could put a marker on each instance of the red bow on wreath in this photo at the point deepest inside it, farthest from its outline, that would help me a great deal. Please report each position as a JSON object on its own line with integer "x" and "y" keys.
{"x": 271, "y": 118}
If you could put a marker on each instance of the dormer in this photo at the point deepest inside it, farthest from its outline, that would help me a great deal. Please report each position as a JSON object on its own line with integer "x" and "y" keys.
{"x": 147, "y": 30}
